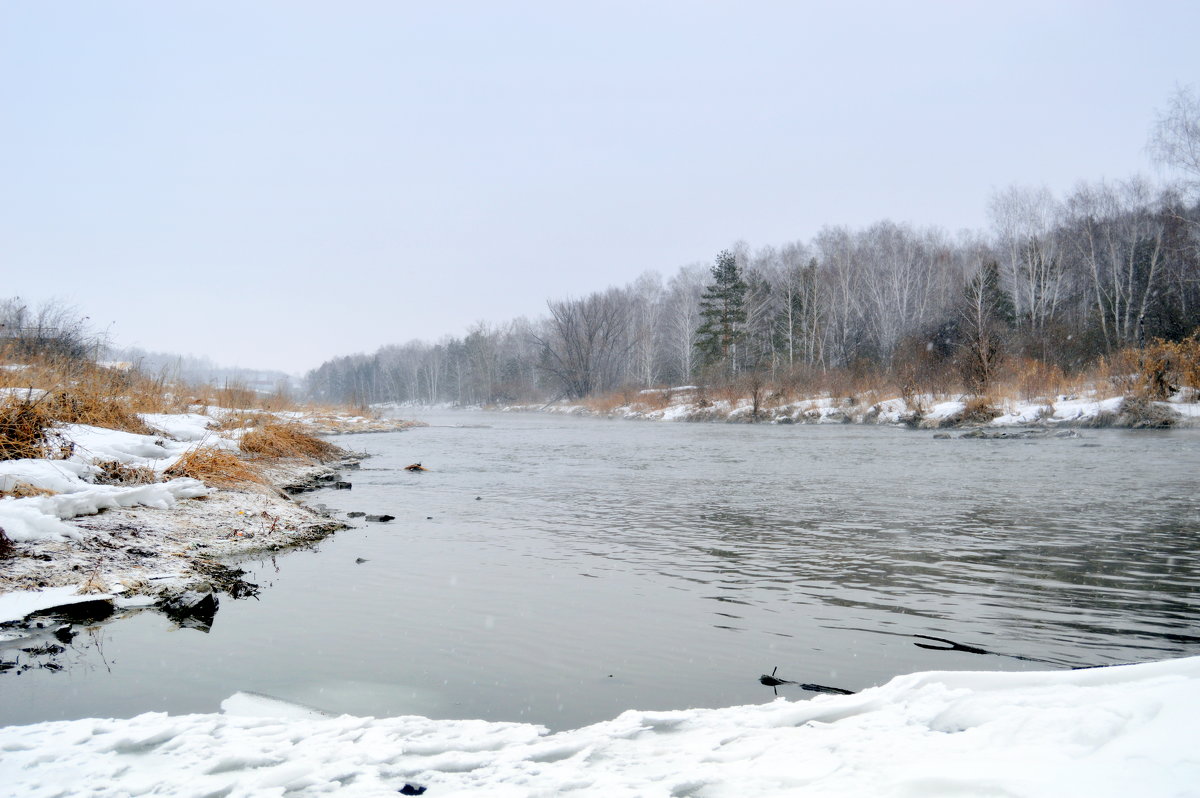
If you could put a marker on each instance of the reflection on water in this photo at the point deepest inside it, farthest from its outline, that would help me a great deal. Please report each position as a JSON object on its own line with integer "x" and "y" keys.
{"x": 560, "y": 570}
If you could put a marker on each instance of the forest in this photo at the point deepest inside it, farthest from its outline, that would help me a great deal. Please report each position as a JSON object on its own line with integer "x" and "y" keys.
{"x": 1053, "y": 287}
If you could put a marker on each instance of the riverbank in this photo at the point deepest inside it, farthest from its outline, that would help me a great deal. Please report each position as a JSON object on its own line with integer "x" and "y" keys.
{"x": 1116, "y": 731}
{"x": 1085, "y": 409}
{"x": 121, "y": 519}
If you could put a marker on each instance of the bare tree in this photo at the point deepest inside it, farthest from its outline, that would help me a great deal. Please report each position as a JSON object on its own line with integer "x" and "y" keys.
{"x": 681, "y": 317}
{"x": 584, "y": 343}
{"x": 1026, "y": 223}
{"x": 1120, "y": 243}
{"x": 1175, "y": 139}
{"x": 841, "y": 286}
{"x": 646, "y": 308}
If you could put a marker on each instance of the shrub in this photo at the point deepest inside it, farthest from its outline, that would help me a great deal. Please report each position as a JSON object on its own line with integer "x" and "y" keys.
{"x": 1139, "y": 412}
{"x": 978, "y": 410}
{"x": 1157, "y": 370}
{"x": 23, "y": 429}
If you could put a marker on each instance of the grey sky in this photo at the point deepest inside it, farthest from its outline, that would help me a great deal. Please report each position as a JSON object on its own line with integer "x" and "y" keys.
{"x": 274, "y": 183}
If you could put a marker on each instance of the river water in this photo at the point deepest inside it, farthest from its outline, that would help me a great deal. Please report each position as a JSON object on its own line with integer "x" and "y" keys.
{"x": 559, "y": 570}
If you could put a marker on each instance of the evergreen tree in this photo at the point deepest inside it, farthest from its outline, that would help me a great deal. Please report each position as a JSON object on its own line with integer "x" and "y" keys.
{"x": 723, "y": 313}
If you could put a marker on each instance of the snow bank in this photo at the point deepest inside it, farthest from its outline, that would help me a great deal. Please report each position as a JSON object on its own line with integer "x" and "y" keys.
{"x": 42, "y": 517}
{"x": 71, "y": 480}
{"x": 1122, "y": 731}
{"x": 181, "y": 426}
{"x": 925, "y": 411}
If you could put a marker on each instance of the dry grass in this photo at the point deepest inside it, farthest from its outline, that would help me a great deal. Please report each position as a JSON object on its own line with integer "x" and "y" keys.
{"x": 288, "y": 440}
{"x": 219, "y": 468}
{"x": 23, "y": 428}
{"x": 80, "y": 392}
{"x": 605, "y": 403}
{"x": 116, "y": 473}
{"x": 244, "y": 419}
{"x": 23, "y": 490}
{"x": 1155, "y": 372}
{"x": 978, "y": 410}
{"x": 1030, "y": 379}
{"x": 87, "y": 405}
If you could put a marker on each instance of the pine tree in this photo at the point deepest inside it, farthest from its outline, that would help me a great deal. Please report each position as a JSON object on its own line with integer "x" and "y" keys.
{"x": 723, "y": 311}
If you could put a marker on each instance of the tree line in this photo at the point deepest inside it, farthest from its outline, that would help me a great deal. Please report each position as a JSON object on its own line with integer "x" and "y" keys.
{"x": 1061, "y": 281}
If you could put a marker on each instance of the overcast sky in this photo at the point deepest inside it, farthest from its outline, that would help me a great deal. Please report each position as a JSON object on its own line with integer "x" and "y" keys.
{"x": 270, "y": 184}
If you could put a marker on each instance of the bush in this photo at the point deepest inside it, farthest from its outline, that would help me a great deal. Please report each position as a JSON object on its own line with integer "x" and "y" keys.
{"x": 1158, "y": 370}
{"x": 23, "y": 429}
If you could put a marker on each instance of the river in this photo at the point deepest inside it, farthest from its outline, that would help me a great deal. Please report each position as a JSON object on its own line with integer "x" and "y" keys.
{"x": 559, "y": 570}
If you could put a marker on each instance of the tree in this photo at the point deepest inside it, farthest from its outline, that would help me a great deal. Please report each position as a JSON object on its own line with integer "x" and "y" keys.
{"x": 1175, "y": 140}
{"x": 1120, "y": 243}
{"x": 985, "y": 318}
{"x": 723, "y": 311}
{"x": 585, "y": 343}
{"x": 799, "y": 317}
{"x": 1027, "y": 223}
{"x": 681, "y": 318}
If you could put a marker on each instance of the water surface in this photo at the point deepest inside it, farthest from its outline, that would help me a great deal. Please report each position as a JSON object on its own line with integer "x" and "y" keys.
{"x": 559, "y": 570}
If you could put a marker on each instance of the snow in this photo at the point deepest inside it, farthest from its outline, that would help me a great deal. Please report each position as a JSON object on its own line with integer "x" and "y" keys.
{"x": 22, "y": 394}
{"x": 1120, "y": 731}
{"x": 42, "y": 517}
{"x": 1074, "y": 409}
{"x": 943, "y": 410}
{"x": 71, "y": 480}
{"x": 924, "y": 410}
{"x": 181, "y": 426}
{"x": 60, "y": 476}
{"x": 15, "y": 606}
{"x": 98, "y": 445}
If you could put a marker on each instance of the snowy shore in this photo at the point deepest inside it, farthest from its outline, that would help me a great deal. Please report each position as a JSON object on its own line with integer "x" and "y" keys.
{"x": 687, "y": 403}
{"x": 78, "y": 536}
{"x": 1117, "y": 731}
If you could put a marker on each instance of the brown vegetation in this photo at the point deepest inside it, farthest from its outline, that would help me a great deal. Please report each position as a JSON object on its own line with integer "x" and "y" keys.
{"x": 288, "y": 440}
{"x": 115, "y": 473}
{"x": 220, "y": 468}
{"x": 23, "y": 490}
{"x": 23, "y": 425}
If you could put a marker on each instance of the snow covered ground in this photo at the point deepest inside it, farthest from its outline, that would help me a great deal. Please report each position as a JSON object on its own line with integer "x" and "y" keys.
{"x": 683, "y": 404}
{"x": 73, "y": 528}
{"x": 1119, "y": 731}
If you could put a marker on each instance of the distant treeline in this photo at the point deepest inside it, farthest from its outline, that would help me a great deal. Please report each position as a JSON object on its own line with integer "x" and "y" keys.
{"x": 1059, "y": 281}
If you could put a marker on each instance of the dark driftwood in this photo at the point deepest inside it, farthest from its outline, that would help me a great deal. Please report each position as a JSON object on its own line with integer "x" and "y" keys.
{"x": 773, "y": 682}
